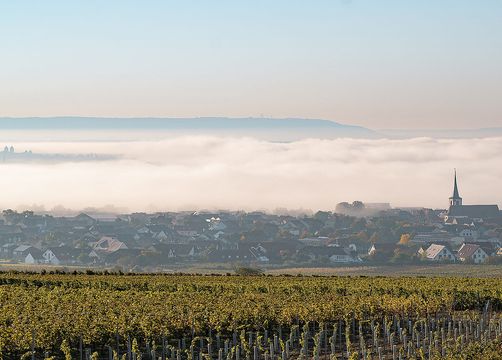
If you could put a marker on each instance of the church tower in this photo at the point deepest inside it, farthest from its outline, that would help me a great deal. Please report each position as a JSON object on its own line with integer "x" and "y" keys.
{"x": 455, "y": 200}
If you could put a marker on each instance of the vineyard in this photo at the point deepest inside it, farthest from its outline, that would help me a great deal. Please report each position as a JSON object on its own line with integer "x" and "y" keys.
{"x": 190, "y": 317}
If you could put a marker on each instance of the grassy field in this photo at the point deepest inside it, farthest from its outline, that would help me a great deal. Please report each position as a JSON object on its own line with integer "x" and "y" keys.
{"x": 432, "y": 270}
{"x": 460, "y": 270}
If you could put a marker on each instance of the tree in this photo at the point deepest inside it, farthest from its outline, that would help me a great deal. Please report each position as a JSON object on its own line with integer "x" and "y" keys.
{"x": 402, "y": 258}
{"x": 11, "y": 216}
{"x": 51, "y": 239}
{"x": 405, "y": 239}
{"x": 248, "y": 271}
{"x": 374, "y": 238}
{"x": 27, "y": 213}
{"x": 362, "y": 236}
{"x": 343, "y": 207}
{"x": 322, "y": 216}
{"x": 65, "y": 348}
{"x": 304, "y": 234}
{"x": 125, "y": 261}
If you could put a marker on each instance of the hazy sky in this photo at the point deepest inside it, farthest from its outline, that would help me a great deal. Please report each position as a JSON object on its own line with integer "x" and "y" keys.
{"x": 410, "y": 64}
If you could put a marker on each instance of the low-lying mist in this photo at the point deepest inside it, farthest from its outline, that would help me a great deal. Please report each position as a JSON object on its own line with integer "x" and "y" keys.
{"x": 209, "y": 172}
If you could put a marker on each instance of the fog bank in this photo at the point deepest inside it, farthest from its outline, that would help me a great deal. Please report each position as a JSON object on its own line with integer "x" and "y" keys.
{"x": 210, "y": 172}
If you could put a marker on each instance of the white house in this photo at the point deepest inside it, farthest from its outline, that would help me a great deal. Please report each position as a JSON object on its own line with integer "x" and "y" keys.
{"x": 215, "y": 224}
{"x": 472, "y": 253}
{"x": 51, "y": 257}
{"x": 342, "y": 255}
{"x": 33, "y": 256}
{"x": 31, "y": 259}
{"x": 260, "y": 253}
{"x": 161, "y": 236}
{"x": 437, "y": 252}
{"x": 109, "y": 244}
{"x": 469, "y": 233}
{"x": 58, "y": 255}
{"x": 317, "y": 241}
{"x": 20, "y": 252}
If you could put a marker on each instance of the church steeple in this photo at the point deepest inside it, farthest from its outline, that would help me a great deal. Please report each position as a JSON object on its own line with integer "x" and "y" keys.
{"x": 455, "y": 200}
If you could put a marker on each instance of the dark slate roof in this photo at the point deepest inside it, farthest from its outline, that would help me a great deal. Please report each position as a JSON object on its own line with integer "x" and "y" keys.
{"x": 467, "y": 250}
{"x": 385, "y": 247}
{"x": 323, "y": 250}
{"x": 489, "y": 248}
{"x": 36, "y": 253}
{"x": 66, "y": 253}
{"x": 243, "y": 254}
{"x": 113, "y": 257}
{"x": 178, "y": 249}
{"x": 475, "y": 211}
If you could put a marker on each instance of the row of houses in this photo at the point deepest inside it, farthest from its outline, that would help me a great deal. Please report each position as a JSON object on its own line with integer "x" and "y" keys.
{"x": 471, "y": 253}
{"x": 143, "y": 230}
{"x": 109, "y": 250}
{"x": 162, "y": 239}
{"x": 29, "y": 254}
{"x": 58, "y": 255}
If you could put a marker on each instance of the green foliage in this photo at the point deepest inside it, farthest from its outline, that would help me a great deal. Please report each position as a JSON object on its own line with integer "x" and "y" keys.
{"x": 65, "y": 348}
{"x": 135, "y": 349}
{"x": 476, "y": 350}
{"x": 248, "y": 271}
{"x": 97, "y": 307}
{"x": 244, "y": 343}
{"x": 26, "y": 356}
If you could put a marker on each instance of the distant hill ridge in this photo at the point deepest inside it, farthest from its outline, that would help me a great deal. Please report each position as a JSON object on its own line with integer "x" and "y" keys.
{"x": 69, "y": 122}
{"x": 263, "y": 127}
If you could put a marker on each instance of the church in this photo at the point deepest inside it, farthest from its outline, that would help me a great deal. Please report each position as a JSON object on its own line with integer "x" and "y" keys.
{"x": 458, "y": 213}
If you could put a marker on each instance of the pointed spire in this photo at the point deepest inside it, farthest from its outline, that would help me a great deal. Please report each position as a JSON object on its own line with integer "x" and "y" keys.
{"x": 455, "y": 200}
{"x": 455, "y": 187}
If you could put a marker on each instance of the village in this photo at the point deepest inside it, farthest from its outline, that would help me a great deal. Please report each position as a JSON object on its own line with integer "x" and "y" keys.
{"x": 354, "y": 234}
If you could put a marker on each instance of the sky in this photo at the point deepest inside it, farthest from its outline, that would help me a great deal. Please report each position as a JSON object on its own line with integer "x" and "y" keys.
{"x": 379, "y": 64}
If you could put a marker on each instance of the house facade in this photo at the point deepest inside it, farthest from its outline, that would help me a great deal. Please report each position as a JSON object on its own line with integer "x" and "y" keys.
{"x": 472, "y": 253}
{"x": 437, "y": 252}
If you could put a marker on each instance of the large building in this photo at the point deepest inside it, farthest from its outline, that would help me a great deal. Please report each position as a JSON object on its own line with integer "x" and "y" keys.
{"x": 458, "y": 213}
